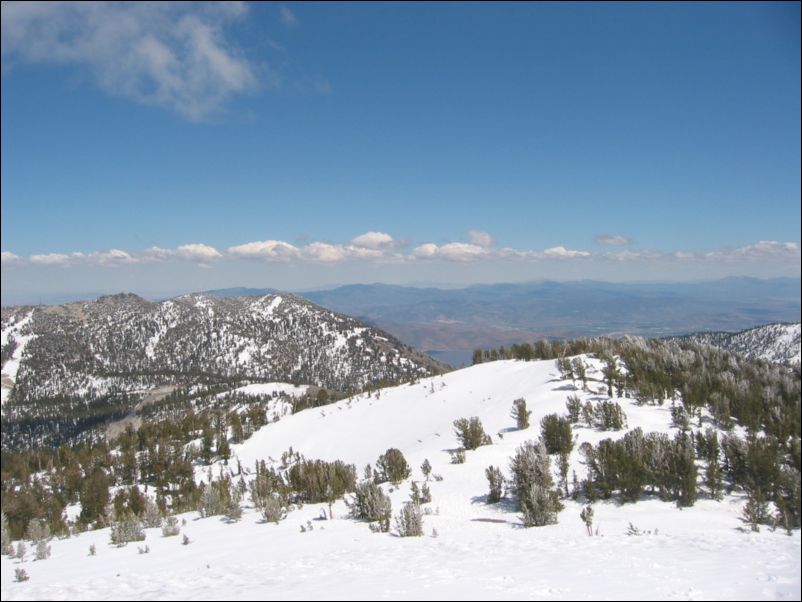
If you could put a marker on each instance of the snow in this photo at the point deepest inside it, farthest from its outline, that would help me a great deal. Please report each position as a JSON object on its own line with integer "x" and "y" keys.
{"x": 11, "y": 367}
{"x": 480, "y": 551}
{"x": 270, "y": 389}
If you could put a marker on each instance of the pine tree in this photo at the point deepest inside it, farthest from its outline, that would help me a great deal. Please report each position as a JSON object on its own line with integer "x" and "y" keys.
{"x": 520, "y": 413}
{"x": 496, "y": 482}
{"x": 532, "y": 481}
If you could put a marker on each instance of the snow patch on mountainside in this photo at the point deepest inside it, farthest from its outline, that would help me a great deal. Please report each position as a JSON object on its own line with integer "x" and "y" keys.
{"x": 11, "y": 367}
{"x": 778, "y": 343}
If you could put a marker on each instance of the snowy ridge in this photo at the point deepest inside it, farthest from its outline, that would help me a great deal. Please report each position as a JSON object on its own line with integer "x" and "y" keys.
{"x": 778, "y": 343}
{"x": 479, "y": 552}
{"x": 115, "y": 342}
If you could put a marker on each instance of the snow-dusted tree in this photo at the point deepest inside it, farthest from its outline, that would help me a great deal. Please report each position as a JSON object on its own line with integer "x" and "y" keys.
{"x": 426, "y": 469}
{"x": 556, "y": 434}
{"x": 580, "y": 371}
{"x": 410, "y": 522}
{"x": 471, "y": 433}
{"x": 520, "y": 413}
{"x": 42, "y": 550}
{"x": 371, "y": 504}
{"x": 573, "y": 406}
{"x": 271, "y": 508}
{"x": 496, "y": 482}
{"x": 151, "y": 516}
{"x": 170, "y": 527}
{"x": 533, "y": 484}
{"x": 392, "y": 466}
{"x": 126, "y": 528}
{"x": 587, "y": 517}
{"x": 22, "y": 549}
{"x": 5, "y": 538}
{"x": 37, "y": 531}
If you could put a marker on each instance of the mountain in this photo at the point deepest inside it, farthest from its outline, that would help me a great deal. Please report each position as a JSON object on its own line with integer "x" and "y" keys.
{"x": 101, "y": 356}
{"x": 470, "y": 548}
{"x": 778, "y": 343}
{"x": 450, "y": 323}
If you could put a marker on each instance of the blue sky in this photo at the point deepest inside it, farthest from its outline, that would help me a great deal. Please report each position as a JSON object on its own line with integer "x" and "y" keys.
{"x": 168, "y": 148}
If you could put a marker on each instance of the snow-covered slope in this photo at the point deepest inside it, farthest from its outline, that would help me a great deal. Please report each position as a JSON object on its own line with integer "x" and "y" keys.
{"x": 479, "y": 552}
{"x": 779, "y": 343}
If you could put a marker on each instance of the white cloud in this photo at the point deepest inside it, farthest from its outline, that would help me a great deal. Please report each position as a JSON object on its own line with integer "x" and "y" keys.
{"x": 481, "y": 238}
{"x": 288, "y": 17}
{"x": 157, "y": 254}
{"x": 380, "y": 247}
{"x": 111, "y": 257}
{"x": 198, "y": 252}
{"x": 563, "y": 253}
{"x": 266, "y": 250}
{"x": 425, "y": 251}
{"x": 173, "y": 55}
{"x": 50, "y": 259}
{"x": 765, "y": 250}
{"x": 639, "y": 255}
{"x": 9, "y": 258}
{"x": 453, "y": 251}
{"x": 374, "y": 240}
{"x": 325, "y": 252}
{"x": 613, "y": 239}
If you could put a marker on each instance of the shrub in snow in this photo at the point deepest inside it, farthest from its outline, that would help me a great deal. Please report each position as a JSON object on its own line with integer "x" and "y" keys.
{"x": 426, "y": 469}
{"x": 271, "y": 509}
{"x": 680, "y": 418}
{"x": 22, "y": 549}
{"x": 42, "y": 550}
{"x": 457, "y": 456}
{"x": 540, "y": 506}
{"x": 410, "y": 522}
{"x": 520, "y": 413}
{"x": 126, "y": 528}
{"x": 496, "y": 482}
{"x": 608, "y": 416}
{"x": 471, "y": 433}
{"x": 371, "y": 504}
{"x": 556, "y": 433}
{"x": 37, "y": 531}
{"x": 392, "y": 466}
{"x": 170, "y": 527}
{"x": 633, "y": 530}
{"x": 587, "y": 517}
{"x": 20, "y": 575}
{"x": 210, "y": 502}
{"x": 92, "y": 550}
{"x": 420, "y": 496}
{"x": 185, "y": 541}
{"x": 233, "y": 511}
{"x": 319, "y": 481}
{"x": 151, "y": 517}
{"x": 532, "y": 480}
{"x": 5, "y": 538}
{"x": 573, "y": 406}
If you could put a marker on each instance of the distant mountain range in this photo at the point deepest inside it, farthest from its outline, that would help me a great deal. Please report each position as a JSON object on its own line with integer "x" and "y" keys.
{"x": 59, "y": 361}
{"x": 778, "y": 343}
{"x": 449, "y": 324}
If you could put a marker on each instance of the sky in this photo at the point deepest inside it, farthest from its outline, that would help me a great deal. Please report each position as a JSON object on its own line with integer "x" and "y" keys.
{"x": 162, "y": 148}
